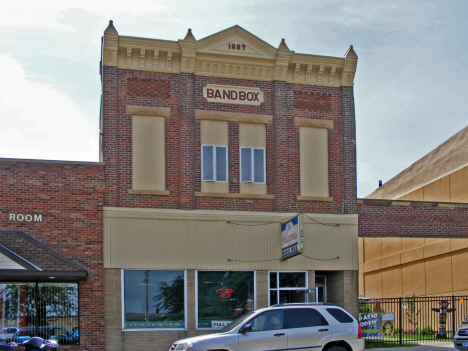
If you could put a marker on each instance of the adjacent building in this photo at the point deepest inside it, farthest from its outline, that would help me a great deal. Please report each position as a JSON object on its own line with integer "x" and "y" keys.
{"x": 51, "y": 250}
{"x": 211, "y": 150}
{"x": 413, "y": 229}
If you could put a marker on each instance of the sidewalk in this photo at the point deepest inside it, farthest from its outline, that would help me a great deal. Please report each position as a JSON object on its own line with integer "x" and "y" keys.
{"x": 430, "y": 346}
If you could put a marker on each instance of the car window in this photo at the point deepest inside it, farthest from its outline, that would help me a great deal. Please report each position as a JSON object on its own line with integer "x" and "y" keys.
{"x": 304, "y": 318}
{"x": 270, "y": 320}
{"x": 340, "y": 315}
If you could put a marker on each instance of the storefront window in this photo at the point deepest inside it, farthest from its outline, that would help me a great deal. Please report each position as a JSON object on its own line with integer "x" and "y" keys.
{"x": 154, "y": 299}
{"x": 48, "y": 310}
{"x": 223, "y": 297}
{"x": 288, "y": 287}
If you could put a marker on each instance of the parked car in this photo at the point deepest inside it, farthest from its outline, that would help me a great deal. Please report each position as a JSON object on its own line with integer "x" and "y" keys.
{"x": 460, "y": 341}
{"x": 72, "y": 339}
{"x": 49, "y": 333}
{"x": 285, "y": 326}
{"x": 6, "y": 334}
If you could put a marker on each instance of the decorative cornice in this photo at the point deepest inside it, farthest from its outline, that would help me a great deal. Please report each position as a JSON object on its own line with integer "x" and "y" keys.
{"x": 232, "y": 53}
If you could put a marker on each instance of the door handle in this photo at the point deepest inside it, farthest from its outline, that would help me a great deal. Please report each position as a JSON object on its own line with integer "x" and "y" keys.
{"x": 279, "y": 334}
{"x": 322, "y": 330}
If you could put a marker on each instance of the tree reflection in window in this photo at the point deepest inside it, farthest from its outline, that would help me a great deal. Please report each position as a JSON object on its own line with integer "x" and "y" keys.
{"x": 154, "y": 299}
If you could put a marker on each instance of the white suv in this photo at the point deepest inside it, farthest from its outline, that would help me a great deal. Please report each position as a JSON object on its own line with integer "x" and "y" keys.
{"x": 304, "y": 327}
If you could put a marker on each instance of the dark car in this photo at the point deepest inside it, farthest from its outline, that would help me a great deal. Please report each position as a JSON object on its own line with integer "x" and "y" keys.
{"x": 460, "y": 341}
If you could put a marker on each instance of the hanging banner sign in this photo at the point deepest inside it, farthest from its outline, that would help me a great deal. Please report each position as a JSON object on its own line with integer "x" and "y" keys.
{"x": 10, "y": 306}
{"x": 291, "y": 237}
{"x": 227, "y": 94}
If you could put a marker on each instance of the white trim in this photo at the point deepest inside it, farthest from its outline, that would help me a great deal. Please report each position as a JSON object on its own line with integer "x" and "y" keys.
{"x": 252, "y": 166}
{"x": 214, "y": 163}
{"x": 122, "y": 287}
{"x": 254, "y": 306}
{"x": 306, "y": 287}
{"x": 324, "y": 286}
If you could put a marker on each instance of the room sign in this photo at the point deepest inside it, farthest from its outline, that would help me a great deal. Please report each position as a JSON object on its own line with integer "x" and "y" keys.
{"x": 227, "y": 94}
{"x": 292, "y": 237}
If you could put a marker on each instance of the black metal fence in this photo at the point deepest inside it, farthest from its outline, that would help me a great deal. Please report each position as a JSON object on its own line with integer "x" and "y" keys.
{"x": 412, "y": 318}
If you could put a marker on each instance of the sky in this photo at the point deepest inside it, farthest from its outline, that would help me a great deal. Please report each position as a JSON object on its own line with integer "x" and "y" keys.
{"x": 410, "y": 89}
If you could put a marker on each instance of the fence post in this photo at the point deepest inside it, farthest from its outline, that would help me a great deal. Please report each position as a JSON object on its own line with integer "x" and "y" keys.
{"x": 401, "y": 326}
{"x": 453, "y": 317}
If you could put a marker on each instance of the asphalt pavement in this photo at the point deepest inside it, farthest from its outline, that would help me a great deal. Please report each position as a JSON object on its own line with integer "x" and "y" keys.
{"x": 430, "y": 346}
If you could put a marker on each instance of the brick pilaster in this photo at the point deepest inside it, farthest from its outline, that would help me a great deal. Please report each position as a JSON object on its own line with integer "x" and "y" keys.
{"x": 109, "y": 134}
{"x": 187, "y": 155}
{"x": 349, "y": 150}
{"x": 282, "y": 96}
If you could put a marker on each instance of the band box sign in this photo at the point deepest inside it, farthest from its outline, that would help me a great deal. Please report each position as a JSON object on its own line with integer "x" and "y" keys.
{"x": 233, "y": 95}
{"x": 291, "y": 237}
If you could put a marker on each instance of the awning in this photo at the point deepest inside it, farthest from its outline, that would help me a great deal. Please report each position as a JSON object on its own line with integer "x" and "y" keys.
{"x": 24, "y": 259}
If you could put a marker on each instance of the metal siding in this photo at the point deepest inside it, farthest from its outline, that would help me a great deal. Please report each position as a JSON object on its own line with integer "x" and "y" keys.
{"x": 202, "y": 244}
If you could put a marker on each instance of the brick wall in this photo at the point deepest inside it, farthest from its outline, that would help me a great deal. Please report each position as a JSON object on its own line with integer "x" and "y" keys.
{"x": 183, "y": 160}
{"x": 342, "y": 289}
{"x": 388, "y": 218}
{"x": 69, "y": 197}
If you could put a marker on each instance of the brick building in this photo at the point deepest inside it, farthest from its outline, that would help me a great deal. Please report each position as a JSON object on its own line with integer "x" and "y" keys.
{"x": 208, "y": 147}
{"x": 51, "y": 248}
{"x": 413, "y": 229}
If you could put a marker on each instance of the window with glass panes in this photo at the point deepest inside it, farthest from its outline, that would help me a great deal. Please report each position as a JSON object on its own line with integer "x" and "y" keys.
{"x": 288, "y": 287}
{"x": 153, "y": 299}
{"x": 223, "y": 297}
{"x": 214, "y": 163}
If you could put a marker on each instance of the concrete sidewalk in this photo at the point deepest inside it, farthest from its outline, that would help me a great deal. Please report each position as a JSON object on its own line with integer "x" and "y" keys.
{"x": 430, "y": 346}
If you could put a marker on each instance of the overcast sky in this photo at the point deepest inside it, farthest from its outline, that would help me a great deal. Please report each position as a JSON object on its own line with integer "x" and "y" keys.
{"x": 411, "y": 85}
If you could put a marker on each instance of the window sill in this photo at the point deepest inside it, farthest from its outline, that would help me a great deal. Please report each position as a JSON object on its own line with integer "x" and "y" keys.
{"x": 235, "y": 195}
{"x": 314, "y": 198}
{"x": 149, "y": 192}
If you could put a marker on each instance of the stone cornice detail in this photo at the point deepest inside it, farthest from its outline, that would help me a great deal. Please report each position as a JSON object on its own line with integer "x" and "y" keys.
{"x": 232, "y": 53}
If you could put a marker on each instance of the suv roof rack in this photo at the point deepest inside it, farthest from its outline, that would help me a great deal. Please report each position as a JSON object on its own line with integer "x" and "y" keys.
{"x": 305, "y": 304}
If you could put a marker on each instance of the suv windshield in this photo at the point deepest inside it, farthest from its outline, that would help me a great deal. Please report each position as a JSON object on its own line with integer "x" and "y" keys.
{"x": 235, "y": 323}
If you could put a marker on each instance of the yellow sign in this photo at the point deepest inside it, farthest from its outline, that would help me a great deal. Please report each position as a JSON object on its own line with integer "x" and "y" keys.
{"x": 388, "y": 329}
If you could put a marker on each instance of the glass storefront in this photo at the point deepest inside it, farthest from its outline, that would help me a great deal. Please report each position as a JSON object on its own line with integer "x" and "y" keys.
{"x": 222, "y": 297}
{"x": 288, "y": 287}
{"x": 153, "y": 299}
{"x": 48, "y": 310}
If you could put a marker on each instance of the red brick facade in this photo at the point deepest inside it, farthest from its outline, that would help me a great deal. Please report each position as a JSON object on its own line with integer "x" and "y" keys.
{"x": 69, "y": 197}
{"x": 284, "y": 101}
{"x": 388, "y": 218}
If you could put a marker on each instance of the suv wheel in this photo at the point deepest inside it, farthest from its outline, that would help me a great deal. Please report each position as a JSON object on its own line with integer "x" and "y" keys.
{"x": 336, "y": 348}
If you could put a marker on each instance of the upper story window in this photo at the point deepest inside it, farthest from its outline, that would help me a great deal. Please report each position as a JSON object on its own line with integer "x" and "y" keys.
{"x": 214, "y": 163}
{"x": 252, "y": 165}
